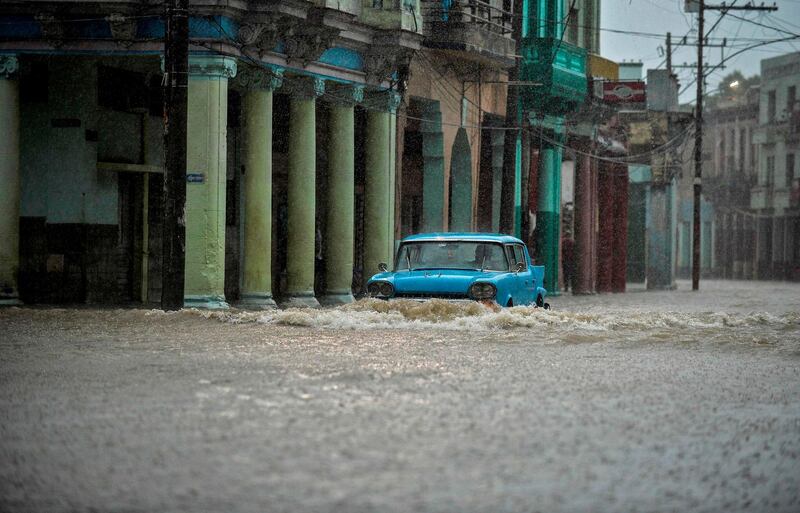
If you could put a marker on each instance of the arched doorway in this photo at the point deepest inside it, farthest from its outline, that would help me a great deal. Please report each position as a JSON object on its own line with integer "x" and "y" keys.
{"x": 460, "y": 213}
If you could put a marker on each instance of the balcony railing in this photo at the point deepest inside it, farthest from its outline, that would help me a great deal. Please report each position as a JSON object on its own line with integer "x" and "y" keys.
{"x": 481, "y": 29}
{"x": 489, "y": 16}
{"x": 560, "y": 68}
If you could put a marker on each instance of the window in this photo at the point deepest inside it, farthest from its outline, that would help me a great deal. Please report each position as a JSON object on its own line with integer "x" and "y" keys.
{"x": 791, "y": 98}
{"x": 789, "y": 169}
{"x": 572, "y": 27}
{"x": 770, "y": 175}
{"x": 519, "y": 255}
{"x": 771, "y": 106}
{"x": 453, "y": 254}
{"x": 742, "y": 147}
{"x": 512, "y": 257}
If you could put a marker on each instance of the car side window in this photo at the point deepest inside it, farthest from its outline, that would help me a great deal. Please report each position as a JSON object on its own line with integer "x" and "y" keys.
{"x": 519, "y": 255}
{"x": 512, "y": 257}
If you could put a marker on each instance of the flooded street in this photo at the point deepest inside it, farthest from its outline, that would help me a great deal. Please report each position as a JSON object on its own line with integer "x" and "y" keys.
{"x": 664, "y": 401}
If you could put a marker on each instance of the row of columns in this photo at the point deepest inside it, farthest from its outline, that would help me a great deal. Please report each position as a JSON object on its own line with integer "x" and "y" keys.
{"x": 207, "y": 177}
{"x": 340, "y": 216}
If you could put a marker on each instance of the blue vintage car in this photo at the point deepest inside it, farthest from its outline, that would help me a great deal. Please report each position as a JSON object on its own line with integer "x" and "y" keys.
{"x": 462, "y": 266}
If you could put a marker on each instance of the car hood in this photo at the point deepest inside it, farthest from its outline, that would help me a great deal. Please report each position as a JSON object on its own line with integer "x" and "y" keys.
{"x": 452, "y": 281}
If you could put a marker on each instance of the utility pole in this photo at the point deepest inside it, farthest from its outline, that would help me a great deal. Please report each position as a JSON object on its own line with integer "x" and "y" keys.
{"x": 176, "y": 73}
{"x": 669, "y": 54}
{"x": 698, "y": 150}
{"x": 698, "y": 122}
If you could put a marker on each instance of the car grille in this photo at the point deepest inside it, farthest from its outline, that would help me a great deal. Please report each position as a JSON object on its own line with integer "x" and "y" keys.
{"x": 432, "y": 295}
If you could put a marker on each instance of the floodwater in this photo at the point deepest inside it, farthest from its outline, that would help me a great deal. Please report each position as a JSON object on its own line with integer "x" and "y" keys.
{"x": 645, "y": 401}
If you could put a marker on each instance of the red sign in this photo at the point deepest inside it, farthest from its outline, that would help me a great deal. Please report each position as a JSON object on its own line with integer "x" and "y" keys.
{"x": 628, "y": 91}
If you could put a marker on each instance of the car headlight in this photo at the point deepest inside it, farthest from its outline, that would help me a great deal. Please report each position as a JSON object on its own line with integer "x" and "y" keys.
{"x": 380, "y": 289}
{"x": 482, "y": 290}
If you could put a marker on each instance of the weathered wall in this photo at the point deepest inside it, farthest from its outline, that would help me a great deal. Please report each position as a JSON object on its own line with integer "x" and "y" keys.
{"x": 72, "y": 245}
{"x": 459, "y": 96}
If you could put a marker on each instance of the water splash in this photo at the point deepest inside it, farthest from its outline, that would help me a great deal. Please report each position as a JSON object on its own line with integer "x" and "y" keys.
{"x": 476, "y": 317}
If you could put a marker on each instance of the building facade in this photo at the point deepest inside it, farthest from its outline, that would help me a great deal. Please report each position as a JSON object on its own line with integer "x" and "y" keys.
{"x": 320, "y": 132}
{"x": 775, "y": 198}
{"x": 291, "y": 142}
{"x": 730, "y": 173}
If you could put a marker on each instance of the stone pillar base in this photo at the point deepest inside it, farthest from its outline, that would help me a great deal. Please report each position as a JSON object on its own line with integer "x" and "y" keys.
{"x": 336, "y": 298}
{"x": 10, "y": 301}
{"x": 256, "y": 301}
{"x": 306, "y": 300}
{"x": 206, "y": 302}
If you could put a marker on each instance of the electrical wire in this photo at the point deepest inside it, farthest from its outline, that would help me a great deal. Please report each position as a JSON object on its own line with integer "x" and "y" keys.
{"x": 726, "y": 59}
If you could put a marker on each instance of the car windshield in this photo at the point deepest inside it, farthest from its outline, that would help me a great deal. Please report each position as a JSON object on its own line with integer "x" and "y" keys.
{"x": 485, "y": 256}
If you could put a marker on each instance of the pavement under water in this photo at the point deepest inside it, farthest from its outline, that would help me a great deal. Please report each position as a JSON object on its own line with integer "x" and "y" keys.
{"x": 647, "y": 401}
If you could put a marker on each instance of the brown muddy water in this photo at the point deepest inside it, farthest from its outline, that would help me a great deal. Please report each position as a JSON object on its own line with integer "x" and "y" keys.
{"x": 667, "y": 401}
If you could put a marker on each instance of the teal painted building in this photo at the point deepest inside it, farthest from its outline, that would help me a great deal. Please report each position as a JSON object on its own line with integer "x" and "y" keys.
{"x": 291, "y": 173}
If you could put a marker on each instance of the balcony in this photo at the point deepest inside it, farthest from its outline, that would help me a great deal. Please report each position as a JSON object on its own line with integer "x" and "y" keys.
{"x": 352, "y": 7}
{"x": 401, "y": 15}
{"x": 561, "y": 69}
{"x": 785, "y": 128}
{"x": 479, "y": 29}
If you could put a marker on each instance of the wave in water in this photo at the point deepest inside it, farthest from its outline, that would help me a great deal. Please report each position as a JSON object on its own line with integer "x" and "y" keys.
{"x": 406, "y": 314}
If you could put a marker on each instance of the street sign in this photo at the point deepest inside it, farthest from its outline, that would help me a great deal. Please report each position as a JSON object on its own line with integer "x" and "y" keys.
{"x": 628, "y": 91}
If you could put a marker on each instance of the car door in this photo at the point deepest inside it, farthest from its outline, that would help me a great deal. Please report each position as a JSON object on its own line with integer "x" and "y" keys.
{"x": 527, "y": 285}
{"x": 513, "y": 277}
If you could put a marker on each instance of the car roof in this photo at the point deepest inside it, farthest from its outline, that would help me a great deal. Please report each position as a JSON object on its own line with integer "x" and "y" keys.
{"x": 479, "y": 237}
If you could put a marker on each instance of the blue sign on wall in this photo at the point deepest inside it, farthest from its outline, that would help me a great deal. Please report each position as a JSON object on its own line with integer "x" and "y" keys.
{"x": 195, "y": 177}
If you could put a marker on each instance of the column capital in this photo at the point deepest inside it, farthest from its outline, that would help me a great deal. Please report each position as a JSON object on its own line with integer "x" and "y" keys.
{"x": 253, "y": 77}
{"x": 386, "y": 101}
{"x": 345, "y": 94}
{"x": 9, "y": 66}
{"x": 211, "y": 67}
{"x": 306, "y": 88}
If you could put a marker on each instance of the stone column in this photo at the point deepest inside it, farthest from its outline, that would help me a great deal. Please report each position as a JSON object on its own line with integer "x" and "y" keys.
{"x": 789, "y": 244}
{"x": 9, "y": 181}
{"x": 433, "y": 168}
{"x": 777, "y": 248}
{"x": 379, "y": 183}
{"x": 605, "y": 241}
{"x": 341, "y": 198}
{"x": 619, "y": 254}
{"x": 302, "y": 192}
{"x": 763, "y": 260}
{"x": 584, "y": 224}
{"x": 257, "y": 279}
{"x": 548, "y": 215}
{"x": 206, "y": 164}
